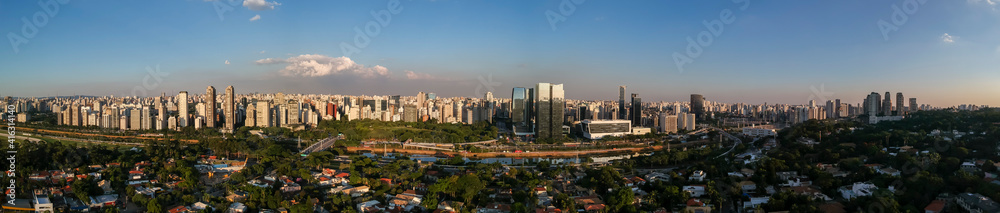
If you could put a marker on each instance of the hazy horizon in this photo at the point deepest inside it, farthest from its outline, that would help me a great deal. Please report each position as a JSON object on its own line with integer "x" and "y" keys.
{"x": 943, "y": 53}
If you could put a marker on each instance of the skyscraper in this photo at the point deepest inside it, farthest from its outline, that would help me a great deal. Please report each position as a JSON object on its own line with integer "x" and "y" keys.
{"x": 549, "y": 112}
{"x": 264, "y": 114}
{"x": 913, "y": 105}
{"x": 899, "y": 104}
{"x": 229, "y": 108}
{"x": 518, "y": 105}
{"x": 636, "y": 110}
{"x": 210, "y": 107}
{"x": 830, "y": 109}
{"x": 837, "y": 109}
{"x": 887, "y": 104}
{"x": 622, "y": 112}
{"x": 421, "y": 97}
{"x": 182, "y": 109}
{"x": 698, "y": 105}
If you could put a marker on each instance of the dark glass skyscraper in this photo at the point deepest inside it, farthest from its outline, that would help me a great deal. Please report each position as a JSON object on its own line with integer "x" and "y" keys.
{"x": 899, "y": 104}
{"x": 522, "y": 101}
{"x": 636, "y": 110}
{"x": 698, "y": 105}
{"x": 622, "y": 112}
{"x": 549, "y": 111}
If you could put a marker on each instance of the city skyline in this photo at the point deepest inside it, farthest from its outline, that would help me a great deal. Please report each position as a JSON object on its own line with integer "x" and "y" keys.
{"x": 940, "y": 54}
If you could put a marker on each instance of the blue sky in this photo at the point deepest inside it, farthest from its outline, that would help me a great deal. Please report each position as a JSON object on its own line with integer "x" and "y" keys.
{"x": 945, "y": 53}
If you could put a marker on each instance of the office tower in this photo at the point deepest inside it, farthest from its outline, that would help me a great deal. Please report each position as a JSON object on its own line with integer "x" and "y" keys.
{"x": 837, "y": 109}
{"x": 158, "y": 106}
{"x": 877, "y": 103}
{"x": 331, "y": 110}
{"x": 145, "y": 119}
{"x": 210, "y": 107}
{"x": 518, "y": 107}
{"x": 549, "y": 112}
{"x": 636, "y": 110}
{"x": 421, "y": 98}
{"x": 691, "y": 122}
{"x": 410, "y": 113}
{"x": 697, "y": 105}
{"x": 899, "y": 104}
{"x": 887, "y": 105}
{"x": 263, "y": 114}
{"x": 668, "y": 123}
{"x": 123, "y": 122}
{"x": 251, "y": 116}
{"x": 182, "y": 109}
{"x": 622, "y": 112}
{"x": 913, "y": 105}
{"x": 871, "y": 105}
{"x": 135, "y": 119}
{"x": 830, "y": 109}
{"x": 229, "y": 108}
{"x": 293, "y": 113}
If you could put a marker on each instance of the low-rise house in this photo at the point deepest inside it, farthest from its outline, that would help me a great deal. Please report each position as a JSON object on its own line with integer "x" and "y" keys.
{"x": 695, "y": 190}
{"x": 859, "y": 189}
{"x": 936, "y": 206}
{"x": 976, "y": 203}
{"x": 697, "y": 176}
{"x": 237, "y": 207}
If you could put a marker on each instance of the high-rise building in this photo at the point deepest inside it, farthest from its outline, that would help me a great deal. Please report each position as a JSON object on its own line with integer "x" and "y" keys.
{"x": 887, "y": 104}
{"x": 264, "y": 114}
{"x": 135, "y": 119}
{"x": 421, "y": 98}
{"x": 622, "y": 112}
{"x": 251, "y": 116}
{"x": 668, "y": 123}
{"x": 913, "y": 105}
{"x": 830, "y": 109}
{"x": 837, "y": 109}
{"x": 549, "y": 113}
{"x": 522, "y": 113}
{"x": 636, "y": 110}
{"x": 899, "y": 104}
{"x": 697, "y": 105}
{"x": 229, "y": 108}
{"x": 210, "y": 107}
{"x": 182, "y": 109}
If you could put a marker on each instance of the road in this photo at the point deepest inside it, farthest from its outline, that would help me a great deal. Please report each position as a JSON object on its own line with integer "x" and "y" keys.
{"x": 320, "y": 146}
{"x": 730, "y": 136}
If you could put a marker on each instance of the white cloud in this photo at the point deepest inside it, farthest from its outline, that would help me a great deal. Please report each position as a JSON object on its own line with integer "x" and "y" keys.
{"x": 321, "y": 65}
{"x": 259, "y": 5}
{"x": 989, "y": 2}
{"x": 948, "y": 38}
{"x": 227, "y": 62}
{"x": 262, "y": 51}
{"x": 418, "y": 76}
{"x": 256, "y": 17}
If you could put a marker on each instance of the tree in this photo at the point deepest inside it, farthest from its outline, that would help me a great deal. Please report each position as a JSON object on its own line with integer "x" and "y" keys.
{"x": 620, "y": 200}
{"x": 154, "y": 206}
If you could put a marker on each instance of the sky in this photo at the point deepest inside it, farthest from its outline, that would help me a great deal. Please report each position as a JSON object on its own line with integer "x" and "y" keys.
{"x": 943, "y": 53}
